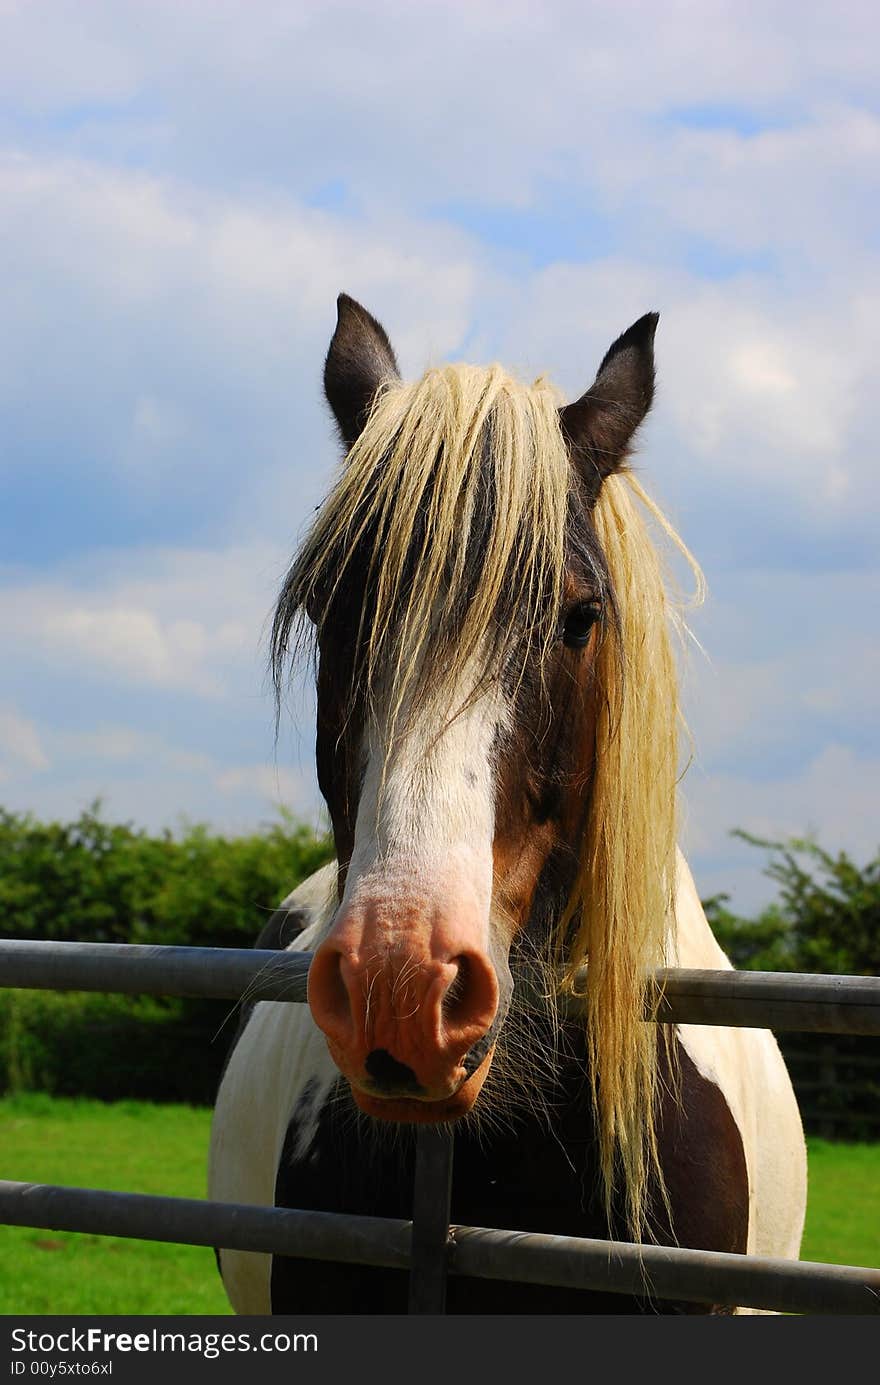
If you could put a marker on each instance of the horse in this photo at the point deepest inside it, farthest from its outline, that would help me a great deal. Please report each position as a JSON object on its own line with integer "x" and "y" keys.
{"x": 498, "y": 745}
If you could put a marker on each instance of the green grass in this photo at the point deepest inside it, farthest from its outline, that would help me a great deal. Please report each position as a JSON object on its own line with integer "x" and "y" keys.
{"x": 140, "y": 1148}
{"x": 128, "y": 1146}
{"x": 843, "y": 1204}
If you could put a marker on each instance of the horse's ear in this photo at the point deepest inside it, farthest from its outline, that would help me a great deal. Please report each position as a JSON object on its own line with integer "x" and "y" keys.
{"x": 360, "y": 359}
{"x": 599, "y": 426}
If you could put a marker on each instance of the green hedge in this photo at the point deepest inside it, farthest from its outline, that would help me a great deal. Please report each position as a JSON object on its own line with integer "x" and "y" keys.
{"x": 94, "y": 881}
{"x": 112, "y": 1046}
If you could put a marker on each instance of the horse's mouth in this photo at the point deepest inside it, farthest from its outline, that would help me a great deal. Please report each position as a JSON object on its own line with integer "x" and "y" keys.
{"x": 409, "y": 1110}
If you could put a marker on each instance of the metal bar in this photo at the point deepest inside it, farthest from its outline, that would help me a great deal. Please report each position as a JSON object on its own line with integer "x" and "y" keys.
{"x": 191, "y": 1221}
{"x": 215, "y": 973}
{"x": 793, "y": 1001}
{"x": 784, "y": 1001}
{"x": 432, "y": 1199}
{"x": 650, "y": 1272}
{"x": 661, "y": 1272}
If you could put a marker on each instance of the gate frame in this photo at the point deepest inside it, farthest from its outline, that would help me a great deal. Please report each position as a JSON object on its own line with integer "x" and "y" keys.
{"x": 428, "y": 1245}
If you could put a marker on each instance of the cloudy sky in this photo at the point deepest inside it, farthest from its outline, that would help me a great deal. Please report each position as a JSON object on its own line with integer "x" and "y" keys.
{"x": 184, "y": 189}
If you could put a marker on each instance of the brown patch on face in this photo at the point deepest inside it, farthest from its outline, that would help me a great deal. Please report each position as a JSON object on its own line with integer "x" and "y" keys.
{"x": 545, "y": 772}
{"x": 338, "y": 737}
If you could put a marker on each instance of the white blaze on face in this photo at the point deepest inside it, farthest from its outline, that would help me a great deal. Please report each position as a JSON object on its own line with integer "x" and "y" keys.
{"x": 426, "y": 815}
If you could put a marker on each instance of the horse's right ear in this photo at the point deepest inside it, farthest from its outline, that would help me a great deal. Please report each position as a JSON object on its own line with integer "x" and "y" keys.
{"x": 360, "y": 359}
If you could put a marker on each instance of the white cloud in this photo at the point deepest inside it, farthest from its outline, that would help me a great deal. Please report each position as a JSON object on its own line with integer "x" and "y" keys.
{"x": 803, "y": 193}
{"x": 108, "y": 743}
{"x": 145, "y": 776}
{"x": 173, "y": 619}
{"x": 127, "y": 744}
{"x": 764, "y": 392}
{"x": 481, "y": 99}
{"x": 761, "y": 367}
{"x": 274, "y": 785}
{"x": 248, "y": 280}
{"x": 132, "y": 643}
{"x": 20, "y": 742}
{"x": 302, "y": 82}
{"x": 179, "y": 335}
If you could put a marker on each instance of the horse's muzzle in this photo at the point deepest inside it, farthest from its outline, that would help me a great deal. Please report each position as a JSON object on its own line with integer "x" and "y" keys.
{"x": 408, "y": 1019}
{"x": 424, "y": 1111}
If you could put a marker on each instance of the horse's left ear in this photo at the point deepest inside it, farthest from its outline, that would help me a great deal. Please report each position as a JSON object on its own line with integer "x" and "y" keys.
{"x": 360, "y": 359}
{"x": 599, "y": 426}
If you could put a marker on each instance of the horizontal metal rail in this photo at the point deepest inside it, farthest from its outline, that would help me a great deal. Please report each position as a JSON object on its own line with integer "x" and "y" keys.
{"x": 214, "y": 973}
{"x": 784, "y": 1001}
{"x": 650, "y": 1272}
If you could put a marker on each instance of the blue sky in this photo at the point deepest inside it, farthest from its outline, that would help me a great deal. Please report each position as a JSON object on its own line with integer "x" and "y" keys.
{"x": 184, "y": 189}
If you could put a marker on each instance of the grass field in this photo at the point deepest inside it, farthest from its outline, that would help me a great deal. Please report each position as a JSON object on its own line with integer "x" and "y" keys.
{"x": 136, "y": 1147}
{"x": 127, "y": 1146}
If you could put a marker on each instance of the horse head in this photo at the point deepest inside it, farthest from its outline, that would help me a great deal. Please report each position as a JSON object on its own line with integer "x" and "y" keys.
{"x": 467, "y": 623}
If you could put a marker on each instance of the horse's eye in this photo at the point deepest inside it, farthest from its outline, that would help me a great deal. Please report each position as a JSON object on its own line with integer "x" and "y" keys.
{"x": 579, "y": 622}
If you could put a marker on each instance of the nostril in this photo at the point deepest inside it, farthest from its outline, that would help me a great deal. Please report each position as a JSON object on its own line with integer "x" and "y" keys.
{"x": 455, "y": 999}
{"x": 471, "y": 999}
{"x": 387, "y": 1072}
{"x": 327, "y": 992}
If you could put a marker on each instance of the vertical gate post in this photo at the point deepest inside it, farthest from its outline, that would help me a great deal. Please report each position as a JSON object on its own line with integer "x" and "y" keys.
{"x": 432, "y": 1196}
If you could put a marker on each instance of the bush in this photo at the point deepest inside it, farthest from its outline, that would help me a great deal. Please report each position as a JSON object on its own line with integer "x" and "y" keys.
{"x": 93, "y": 881}
{"x": 826, "y": 919}
{"x": 110, "y": 1046}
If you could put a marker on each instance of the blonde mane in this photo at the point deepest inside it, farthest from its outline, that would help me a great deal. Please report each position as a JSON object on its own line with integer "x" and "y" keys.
{"x": 457, "y": 494}
{"x": 458, "y": 486}
{"x": 621, "y": 913}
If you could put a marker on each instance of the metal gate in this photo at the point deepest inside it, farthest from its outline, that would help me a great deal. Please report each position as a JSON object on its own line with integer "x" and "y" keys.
{"x": 428, "y": 1246}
